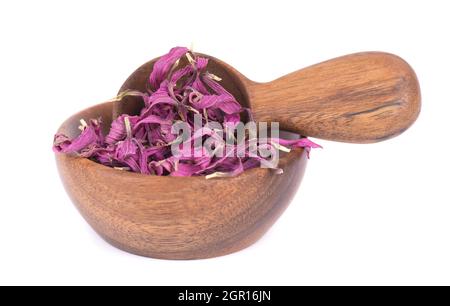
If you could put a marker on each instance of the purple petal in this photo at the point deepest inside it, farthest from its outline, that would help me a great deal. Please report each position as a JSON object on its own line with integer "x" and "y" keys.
{"x": 126, "y": 149}
{"x": 163, "y": 65}
{"x": 298, "y": 143}
{"x": 90, "y": 135}
{"x": 118, "y": 131}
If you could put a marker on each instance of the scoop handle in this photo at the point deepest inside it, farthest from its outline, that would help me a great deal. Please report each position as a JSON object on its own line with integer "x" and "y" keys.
{"x": 363, "y": 97}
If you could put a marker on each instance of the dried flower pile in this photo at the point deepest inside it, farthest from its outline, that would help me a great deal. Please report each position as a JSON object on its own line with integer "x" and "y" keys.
{"x": 143, "y": 143}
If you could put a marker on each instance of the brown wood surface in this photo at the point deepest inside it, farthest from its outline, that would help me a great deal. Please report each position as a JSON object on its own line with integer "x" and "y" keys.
{"x": 176, "y": 217}
{"x": 362, "y": 97}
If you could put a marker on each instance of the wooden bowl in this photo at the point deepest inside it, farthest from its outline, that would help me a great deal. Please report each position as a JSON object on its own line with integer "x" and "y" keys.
{"x": 176, "y": 217}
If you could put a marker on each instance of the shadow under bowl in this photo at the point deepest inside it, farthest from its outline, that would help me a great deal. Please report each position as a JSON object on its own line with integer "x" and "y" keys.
{"x": 176, "y": 217}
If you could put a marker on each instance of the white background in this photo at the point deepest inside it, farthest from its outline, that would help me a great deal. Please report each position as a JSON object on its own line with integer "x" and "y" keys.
{"x": 365, "y": 214}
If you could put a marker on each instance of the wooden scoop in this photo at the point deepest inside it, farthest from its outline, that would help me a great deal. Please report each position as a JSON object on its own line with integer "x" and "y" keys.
{"x": 363, "y": 97}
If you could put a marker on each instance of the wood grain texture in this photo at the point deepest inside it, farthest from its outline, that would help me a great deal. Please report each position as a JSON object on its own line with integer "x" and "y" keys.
{"x": 363, "y": 97}
{"x": 176, "y": 217}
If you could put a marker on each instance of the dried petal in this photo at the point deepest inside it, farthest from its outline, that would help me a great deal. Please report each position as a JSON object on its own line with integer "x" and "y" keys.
{"x": 118, "y": 131}
{"x": 162, "y": 66}
{"x": 90, "y": 135}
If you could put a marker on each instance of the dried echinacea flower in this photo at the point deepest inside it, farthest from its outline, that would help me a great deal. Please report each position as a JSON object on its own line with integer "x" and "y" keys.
{"x": 143, "y": 143}
{"x": 91, "y": 137}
